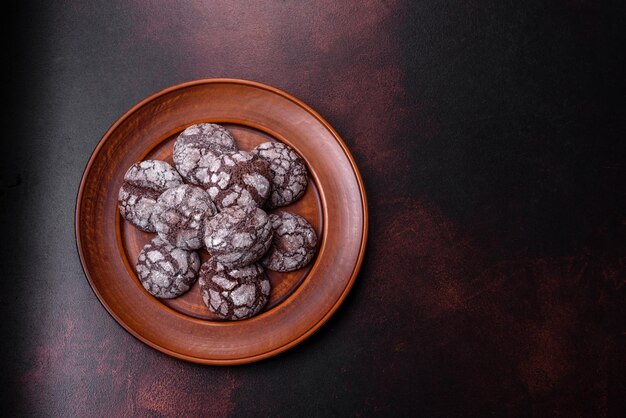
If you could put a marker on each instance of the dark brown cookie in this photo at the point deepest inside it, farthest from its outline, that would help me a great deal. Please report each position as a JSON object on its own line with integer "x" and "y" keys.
{"x": 179, "y": 215}
{"x": 238, "y": 236}
{"x": 233, "y": 294}
{"x": 197, "y": 146}
{"x": 165, "y": 271}
{"x": 143, "y": 184}
{"x": 293, "y": 244}
{"x": 289, "y": 173}
{"x": 238, "y": 178}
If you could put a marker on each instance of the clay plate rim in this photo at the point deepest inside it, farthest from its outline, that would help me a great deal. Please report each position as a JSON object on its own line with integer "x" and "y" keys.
{"x": 301, "y": 337}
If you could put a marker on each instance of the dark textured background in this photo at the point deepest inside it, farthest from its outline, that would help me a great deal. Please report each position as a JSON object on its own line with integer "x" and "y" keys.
{"x": 490, "y": 135}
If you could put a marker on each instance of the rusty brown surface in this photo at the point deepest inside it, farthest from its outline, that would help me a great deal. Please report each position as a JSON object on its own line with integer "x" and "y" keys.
{"x": 491, "y": 144}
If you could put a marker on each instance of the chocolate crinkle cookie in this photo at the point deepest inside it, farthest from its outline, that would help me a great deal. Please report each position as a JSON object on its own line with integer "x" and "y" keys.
{"x": 179, "y": 216}
{"x": 293, "y": 244}
{"x": 238, "y": 178}
{"x": 197, "y": 146}
{"x": 233, "y": 294}
{"x": 289, "y": 173}
{"x": 165, "y": 271}
{"x": 238, "y": 236}
{"x": 143, "y": 184}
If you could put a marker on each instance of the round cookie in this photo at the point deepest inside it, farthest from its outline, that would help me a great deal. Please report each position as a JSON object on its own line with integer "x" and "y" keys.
{"x": 293, "y": 244}
{"x": 165, "y": 271}
{"x": 238, "y": 178}
{"x": 289, "y": 173}
{"x": 143, "y": 184}
{"x": 238, "y": 236}
{"x": 179, "y": 215}
{"x": 197, "y": 146}
{"x": 136, "y": 205}
{"x": 233, "y": 294}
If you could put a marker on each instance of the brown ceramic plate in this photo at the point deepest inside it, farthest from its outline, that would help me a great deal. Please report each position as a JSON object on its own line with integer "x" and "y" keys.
{"x": 301, "y": 301}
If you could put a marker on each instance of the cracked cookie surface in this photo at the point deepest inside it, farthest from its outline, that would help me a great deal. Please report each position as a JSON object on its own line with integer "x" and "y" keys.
{"x": 239, "y": 235}
{"x": 179, "y": 216}
{"x": 233, "y": 294}
{"x": 153, "y": 174}
{"x": 293, "y": 244}
{"x": 143, "y": 184}
{"x": 165, "y": 271}
{"x": 289, "y": 173}
{"x": 238, "y": 178}
{"x": 197, "y": 146}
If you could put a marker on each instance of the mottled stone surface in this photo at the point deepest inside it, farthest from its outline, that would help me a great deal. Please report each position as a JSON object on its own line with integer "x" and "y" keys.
{"x": 289, "y": 173}
{"x": 196, "y": 148}
{"x": 143, "y": 184}
{"x": 293, "y": 244}
{"x": 490, "y": 136}
{"x": 238, "y": 178}
{"x": 179, "y": 216}
{"x": 233, "y": 294}
{"x": 165, "y": 271}
{"x": 238, "y": 235}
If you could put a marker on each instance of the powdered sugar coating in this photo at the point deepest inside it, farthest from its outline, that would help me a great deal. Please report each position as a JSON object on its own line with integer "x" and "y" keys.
{"x": 153, "y": 174}
{"x": 238, "y": 178}
{"x": 293, "y": 242}
{"x": 238, "y": 236}
{"x": 179, "y": 216}
{"x": 143, "y": 183}
{"x": 136, "y": 205}
{"x": 233, "y": 294}
{"x": 197, "y": 146}
{"x": 289, "y": 173}
{"x": 165, "y": 271}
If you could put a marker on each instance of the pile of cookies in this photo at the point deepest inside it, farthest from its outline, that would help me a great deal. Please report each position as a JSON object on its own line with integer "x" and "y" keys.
{"x": 213, "y": 199}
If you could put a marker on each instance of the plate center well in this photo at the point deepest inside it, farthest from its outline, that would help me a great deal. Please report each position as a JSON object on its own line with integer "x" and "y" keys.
{"x": 283, "y": 284}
